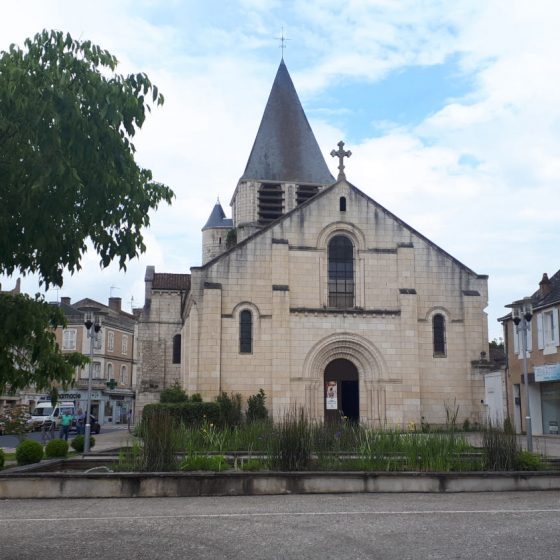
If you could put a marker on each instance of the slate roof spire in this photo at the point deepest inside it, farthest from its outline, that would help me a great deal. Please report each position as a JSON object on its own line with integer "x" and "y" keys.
{"x": 285, "y": 149}
{"x": 218, "y": 218}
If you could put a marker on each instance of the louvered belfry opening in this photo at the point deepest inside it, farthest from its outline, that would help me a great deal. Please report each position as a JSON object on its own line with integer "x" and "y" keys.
{"x": 305, "y": 192}
{"x": 271, "y": 202}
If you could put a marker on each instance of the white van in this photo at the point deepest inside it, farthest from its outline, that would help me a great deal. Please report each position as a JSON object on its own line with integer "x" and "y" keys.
{"x": 45, "y": 414}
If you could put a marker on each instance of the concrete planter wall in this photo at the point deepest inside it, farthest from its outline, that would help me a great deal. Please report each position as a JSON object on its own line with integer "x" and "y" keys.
{"x": 129, "y": 485}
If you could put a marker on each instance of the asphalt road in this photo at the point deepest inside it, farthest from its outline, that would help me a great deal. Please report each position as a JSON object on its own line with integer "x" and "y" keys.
{"x": 11, "y": 441}
{"x": 510, "y": 526}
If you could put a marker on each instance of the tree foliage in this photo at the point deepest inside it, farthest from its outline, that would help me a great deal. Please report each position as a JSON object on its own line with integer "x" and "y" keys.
{"x": 67, "y": 174}
{"x": 67, "y": 168}
{"x": 29, "y": 353}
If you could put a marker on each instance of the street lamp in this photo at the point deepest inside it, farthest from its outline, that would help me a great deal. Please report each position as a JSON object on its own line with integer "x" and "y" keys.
{"x": 522, "y": 313}
{"x": 92, "y": 322}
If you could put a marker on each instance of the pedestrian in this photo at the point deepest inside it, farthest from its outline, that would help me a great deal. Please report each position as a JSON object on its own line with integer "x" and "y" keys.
{"x": 65, "y": 424}
{"x": 81, "y": 423}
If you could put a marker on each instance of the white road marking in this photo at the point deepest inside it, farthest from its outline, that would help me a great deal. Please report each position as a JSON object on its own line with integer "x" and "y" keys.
{"x": 283, "y": 514}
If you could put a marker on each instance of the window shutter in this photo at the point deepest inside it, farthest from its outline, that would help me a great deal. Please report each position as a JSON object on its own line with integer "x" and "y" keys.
{"x": 529, "y": 337}
{"x": 555, "y": 326}
{"x": 540, "y": 331}
{"x": 515, "y": 338}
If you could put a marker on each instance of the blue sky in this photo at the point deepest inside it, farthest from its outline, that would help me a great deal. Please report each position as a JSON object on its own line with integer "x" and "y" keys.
{"x": 450, "y": 109}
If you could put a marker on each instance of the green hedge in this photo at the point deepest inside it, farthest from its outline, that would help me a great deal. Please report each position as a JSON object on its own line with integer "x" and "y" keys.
{"x": 28, "y": 452}
{"x": 189, "y": 413}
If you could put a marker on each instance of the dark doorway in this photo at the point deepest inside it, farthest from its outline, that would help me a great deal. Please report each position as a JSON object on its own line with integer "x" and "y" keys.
{"x": 341, "y": 391}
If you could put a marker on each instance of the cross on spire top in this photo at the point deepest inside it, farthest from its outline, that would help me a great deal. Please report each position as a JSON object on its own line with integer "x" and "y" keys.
{"x": 341, "y": 154}
{"x": 282, "y": 40}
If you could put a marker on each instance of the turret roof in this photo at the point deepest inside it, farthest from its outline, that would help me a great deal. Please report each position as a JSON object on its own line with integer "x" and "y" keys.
{"x": 285, "y": 149}
{"x": 218, "y": 218}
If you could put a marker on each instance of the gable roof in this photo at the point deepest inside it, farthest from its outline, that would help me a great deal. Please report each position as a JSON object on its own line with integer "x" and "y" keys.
{"x": 370, "y": 200}
{"x": 285, "y": 148}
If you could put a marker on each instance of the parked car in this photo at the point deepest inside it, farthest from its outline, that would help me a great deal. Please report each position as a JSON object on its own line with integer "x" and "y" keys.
{"x": 95, "y": 426}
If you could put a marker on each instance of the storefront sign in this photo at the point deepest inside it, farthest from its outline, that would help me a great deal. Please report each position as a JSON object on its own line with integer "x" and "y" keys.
{"x": 550, "y": 372}
{"x": 332, "y": 398}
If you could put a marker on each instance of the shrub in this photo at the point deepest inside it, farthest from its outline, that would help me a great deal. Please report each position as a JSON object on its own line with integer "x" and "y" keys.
{"x": 173, "y": 394}
{"x": 78, "y": 443}
{"x": 527, "y": 461}
{"x": 256, "y": 407}
{"x": 204, "y": 463}
{"x": 196, "y": 397}
{"x": 56, "y": 448}
{"x": 29, "y": 451}
{"x": 253, "y": 465}
{"x": 230, "y": 409}
{"x": 188, "y": 413}
{"x": 1, "y": 458}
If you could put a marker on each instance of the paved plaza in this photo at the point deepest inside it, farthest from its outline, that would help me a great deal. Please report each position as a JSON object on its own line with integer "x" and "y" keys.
{"x": 510, "y": 526}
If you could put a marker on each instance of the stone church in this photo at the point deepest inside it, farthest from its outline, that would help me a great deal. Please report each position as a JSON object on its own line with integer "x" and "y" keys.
{"x": 317, "y": 294}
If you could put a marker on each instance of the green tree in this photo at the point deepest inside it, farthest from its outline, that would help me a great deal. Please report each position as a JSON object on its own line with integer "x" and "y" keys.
{"x": 67, "y": 174}
{"x": 29, "y": 354}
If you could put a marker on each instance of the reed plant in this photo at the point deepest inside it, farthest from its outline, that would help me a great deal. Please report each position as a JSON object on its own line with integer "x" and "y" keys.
{"x": 160, "y": 441}
{"x": 501, "y": 449}
{"x": 290, "y": 447}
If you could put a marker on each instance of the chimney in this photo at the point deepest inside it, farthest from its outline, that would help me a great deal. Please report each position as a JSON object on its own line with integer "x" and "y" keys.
{"x": 65, "y": 300}
{"x": 149, "y": 279}
{"x": 545, "y": 286}
{"x": 115, "y": 303}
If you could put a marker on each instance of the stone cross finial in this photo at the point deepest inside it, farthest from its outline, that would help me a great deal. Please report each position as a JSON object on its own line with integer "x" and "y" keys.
{"x": 341, "y": 154}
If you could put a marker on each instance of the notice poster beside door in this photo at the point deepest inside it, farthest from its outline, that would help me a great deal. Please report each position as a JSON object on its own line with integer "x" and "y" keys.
{"x": 332, "y": 397}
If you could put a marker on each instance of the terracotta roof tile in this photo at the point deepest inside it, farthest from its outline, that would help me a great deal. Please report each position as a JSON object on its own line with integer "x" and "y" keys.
{"x": 164, "y": 281}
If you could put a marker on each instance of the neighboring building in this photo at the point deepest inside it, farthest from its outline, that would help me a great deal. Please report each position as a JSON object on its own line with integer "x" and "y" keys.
{"x": 323, "y": 288}
{"x": 159, "y": 334}
{"x": 543, "y": 361}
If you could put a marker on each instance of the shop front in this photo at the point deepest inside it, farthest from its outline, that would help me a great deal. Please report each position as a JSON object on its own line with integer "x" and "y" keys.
{"x": 548, "y": 377}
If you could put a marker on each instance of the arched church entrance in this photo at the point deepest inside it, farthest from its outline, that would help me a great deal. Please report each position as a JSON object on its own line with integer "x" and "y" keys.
{"x": 342, "y": 393}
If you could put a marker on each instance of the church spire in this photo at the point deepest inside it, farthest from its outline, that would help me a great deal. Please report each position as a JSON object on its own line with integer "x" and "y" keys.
{"x": 285, "y": 149}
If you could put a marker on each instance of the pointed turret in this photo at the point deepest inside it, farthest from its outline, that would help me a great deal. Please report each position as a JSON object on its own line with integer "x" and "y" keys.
{"x": 285, "y": 149}
{"x": 214, "y": 233}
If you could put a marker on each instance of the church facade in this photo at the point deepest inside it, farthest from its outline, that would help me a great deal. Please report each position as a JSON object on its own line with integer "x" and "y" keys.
{"x": 317, "y": 294}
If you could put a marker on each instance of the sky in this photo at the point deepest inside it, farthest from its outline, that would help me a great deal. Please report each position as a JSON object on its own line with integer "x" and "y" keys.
{"x": 451, "y": 111}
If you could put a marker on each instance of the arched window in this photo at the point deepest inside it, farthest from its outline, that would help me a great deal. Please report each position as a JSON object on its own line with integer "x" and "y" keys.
{"x": 109, "y": 371}
{"x": 177, "y": 349}
{"x": 124, "y": 375}
{"x": 245, "y": 332}
{"x": 341, "y": 272}
{"x": 438, "y": 328}
{"x": 342, "y": 204}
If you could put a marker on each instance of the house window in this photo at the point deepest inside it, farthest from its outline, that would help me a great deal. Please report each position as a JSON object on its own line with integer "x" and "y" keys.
{"x": 124, "y": 375}
{"x": 438, "y": 328}
{"x": 98, "y": 344}
{"x": 109, "y": 371}
{"x": 177, "y": 349}
{"x": 548, "y": 328}
{"x": 124, "y": 344}
{"x": 342, "y": 204}
{"x": 341, "y": 272}
{"x": 110, "y": 341}
{"x": 69, "y": 339}
{"x": 96, "y": 370}
{"x": 245, "y": 332}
